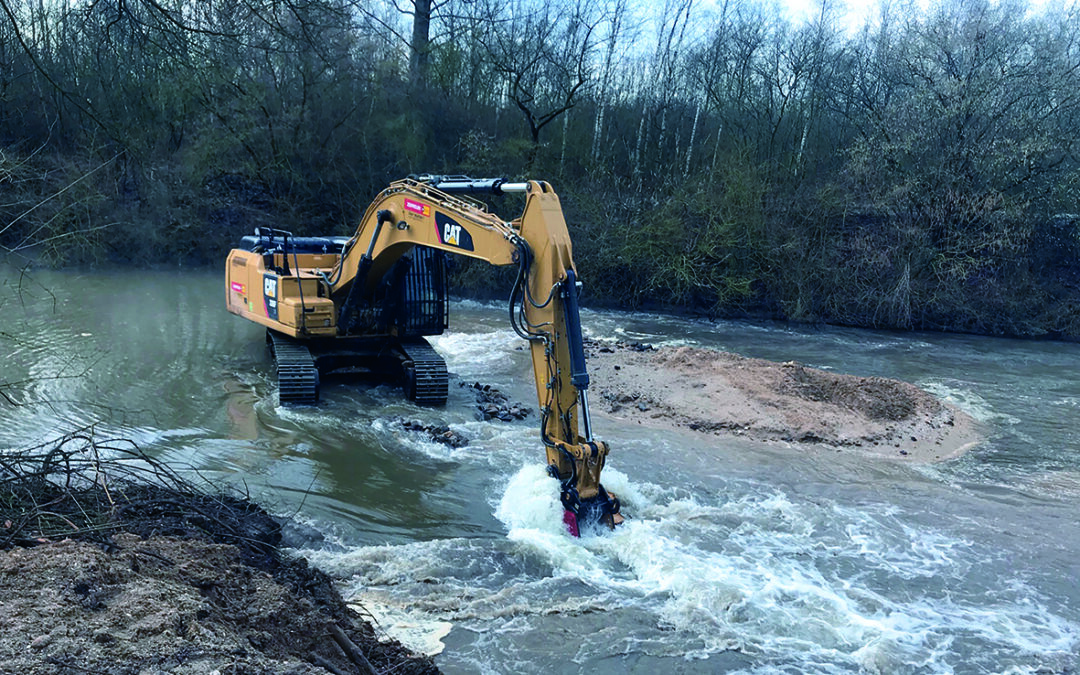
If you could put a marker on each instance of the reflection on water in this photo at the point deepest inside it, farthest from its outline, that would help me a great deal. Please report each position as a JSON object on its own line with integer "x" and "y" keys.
{"x": 240, "y": 408}
{"x": 737, "y": 557}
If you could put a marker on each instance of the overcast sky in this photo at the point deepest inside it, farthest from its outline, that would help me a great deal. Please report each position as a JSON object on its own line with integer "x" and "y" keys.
{"x": 855, "y": 12}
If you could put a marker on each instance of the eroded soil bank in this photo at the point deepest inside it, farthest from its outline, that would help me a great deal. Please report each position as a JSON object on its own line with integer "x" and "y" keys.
{"x": 725, "y": 394}
{"x": 169, "y": 604}
{"x": 112, "y": 563}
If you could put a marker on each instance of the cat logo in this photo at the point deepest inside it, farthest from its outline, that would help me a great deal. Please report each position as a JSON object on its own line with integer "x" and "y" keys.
{"x": 452, "y": 233}
{"x": 270, "y": 284}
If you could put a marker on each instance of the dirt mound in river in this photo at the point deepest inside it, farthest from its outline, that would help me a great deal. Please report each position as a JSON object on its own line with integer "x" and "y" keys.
{"x": 726, "y": 394}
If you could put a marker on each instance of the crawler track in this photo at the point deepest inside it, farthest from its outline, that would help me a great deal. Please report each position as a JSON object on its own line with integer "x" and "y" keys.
{"x": 298, "y": 378}
{"x": 425, "y": 374}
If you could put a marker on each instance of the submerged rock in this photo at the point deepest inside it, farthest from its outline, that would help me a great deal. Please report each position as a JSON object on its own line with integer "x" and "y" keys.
{"x": 493, "y": 404}
{"x": 436, "y": 432}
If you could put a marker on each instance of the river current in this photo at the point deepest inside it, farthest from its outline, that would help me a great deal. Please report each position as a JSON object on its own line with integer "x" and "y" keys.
{"x": 737, "y": 557}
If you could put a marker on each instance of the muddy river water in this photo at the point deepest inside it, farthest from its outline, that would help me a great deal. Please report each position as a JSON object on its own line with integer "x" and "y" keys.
{"x": 737, "y": 557}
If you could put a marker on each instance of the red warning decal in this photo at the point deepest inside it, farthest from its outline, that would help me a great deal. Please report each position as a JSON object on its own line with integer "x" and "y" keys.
{"x": 238, "y": 287}
{"x": 417, "y": 208}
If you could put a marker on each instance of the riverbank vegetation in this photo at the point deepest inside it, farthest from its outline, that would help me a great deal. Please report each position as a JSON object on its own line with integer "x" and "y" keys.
{"x": 912, "y": 171}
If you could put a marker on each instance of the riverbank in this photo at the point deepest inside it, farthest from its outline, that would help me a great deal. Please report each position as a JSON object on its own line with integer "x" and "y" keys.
{"x": 725, "y": 394}
{"x": 117, "y": 576}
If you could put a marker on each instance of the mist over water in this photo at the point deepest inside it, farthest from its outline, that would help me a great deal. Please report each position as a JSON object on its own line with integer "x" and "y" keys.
{"x": 736, "y": 558}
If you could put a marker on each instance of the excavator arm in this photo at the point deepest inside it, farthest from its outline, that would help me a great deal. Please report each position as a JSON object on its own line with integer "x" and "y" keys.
{"x": 437, "y": 212}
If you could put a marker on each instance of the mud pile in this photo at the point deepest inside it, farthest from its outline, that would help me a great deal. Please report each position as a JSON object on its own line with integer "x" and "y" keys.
{"x": 726, "y": 394}
{"x": 111, "y": 563}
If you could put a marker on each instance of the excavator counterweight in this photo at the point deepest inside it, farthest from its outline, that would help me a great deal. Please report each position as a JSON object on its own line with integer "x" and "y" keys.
{"x": 366, "y": 303}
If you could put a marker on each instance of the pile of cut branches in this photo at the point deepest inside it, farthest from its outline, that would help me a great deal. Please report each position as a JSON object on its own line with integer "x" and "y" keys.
{"x": 84, "y": 488}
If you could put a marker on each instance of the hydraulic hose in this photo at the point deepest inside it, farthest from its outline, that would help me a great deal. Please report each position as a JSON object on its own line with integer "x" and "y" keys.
{"x": 345, "y": 319}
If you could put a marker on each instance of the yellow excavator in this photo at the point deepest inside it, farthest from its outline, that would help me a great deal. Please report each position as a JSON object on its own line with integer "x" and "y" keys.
{"x": 366, "y": 302}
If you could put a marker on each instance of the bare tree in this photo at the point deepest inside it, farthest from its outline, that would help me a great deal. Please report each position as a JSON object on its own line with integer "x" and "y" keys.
{"x": 544, "y": 54}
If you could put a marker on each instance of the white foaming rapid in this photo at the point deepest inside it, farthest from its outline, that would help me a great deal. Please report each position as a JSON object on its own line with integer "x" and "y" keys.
{"x": 967, "y": 400}
{"x": 417, "y": 631}
{"x": 789, "y": 585}
{"x": 477, "y": 352}
{"x": 766, "y": 576}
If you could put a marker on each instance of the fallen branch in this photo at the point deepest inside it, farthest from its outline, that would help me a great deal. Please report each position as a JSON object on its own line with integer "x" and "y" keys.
{"x": 350, "y": 649}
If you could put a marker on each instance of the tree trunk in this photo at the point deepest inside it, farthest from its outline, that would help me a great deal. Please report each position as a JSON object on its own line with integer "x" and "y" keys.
{"x": 565, "y": 128}
{"x": 421, "y": 41}
{"x": 693, "y": 134}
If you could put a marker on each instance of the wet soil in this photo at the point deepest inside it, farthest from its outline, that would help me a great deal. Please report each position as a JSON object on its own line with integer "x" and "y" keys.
{"x": 167, "y": 604}
{"x": 114, "y": 576}
{"x": 726, "y": 394}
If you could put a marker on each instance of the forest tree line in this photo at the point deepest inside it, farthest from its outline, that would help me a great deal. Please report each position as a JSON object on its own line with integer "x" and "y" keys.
{"x": 916, "y": 171}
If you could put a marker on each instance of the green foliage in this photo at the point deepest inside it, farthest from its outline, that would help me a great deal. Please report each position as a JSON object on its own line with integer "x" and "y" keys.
{"x": 702, "y": 245}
